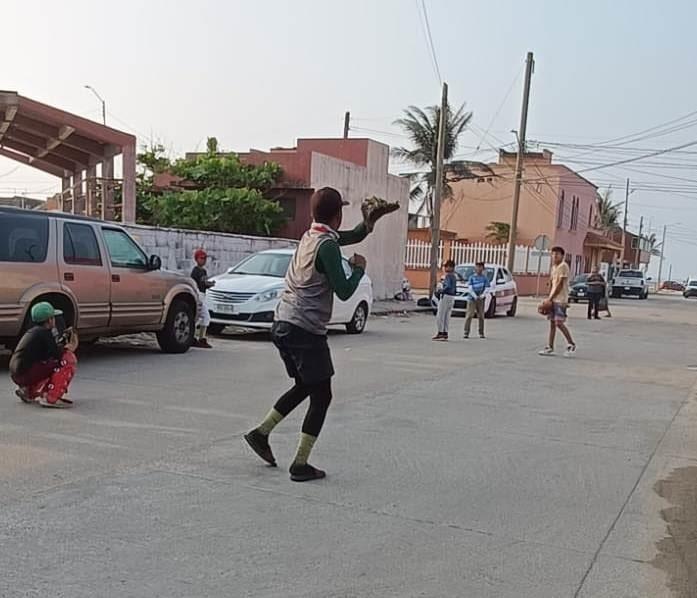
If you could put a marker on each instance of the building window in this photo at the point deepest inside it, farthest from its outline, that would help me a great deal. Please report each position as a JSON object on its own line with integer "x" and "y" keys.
{"x": 560, "y": 214}
{"x": 288, "y": 205}
{"x": 573, "y": 224}
{"x": 590, "y": 217}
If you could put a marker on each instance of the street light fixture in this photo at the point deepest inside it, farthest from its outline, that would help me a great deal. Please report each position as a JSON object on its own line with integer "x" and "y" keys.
{"x": 94, "y": 91}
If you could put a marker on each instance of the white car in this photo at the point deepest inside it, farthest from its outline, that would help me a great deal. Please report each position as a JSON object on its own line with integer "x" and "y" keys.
{"x": 500, "y": 298}
{"x": 247, "y": 294}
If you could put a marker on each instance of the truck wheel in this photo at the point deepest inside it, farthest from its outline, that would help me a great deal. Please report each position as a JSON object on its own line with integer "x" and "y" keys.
{"x": 178, "y": 332}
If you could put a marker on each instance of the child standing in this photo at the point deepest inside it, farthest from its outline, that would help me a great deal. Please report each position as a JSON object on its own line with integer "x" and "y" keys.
{"x": 40, "y": 366}
{"x": 200, "y": 276}
{"x": 477, "y": 283}
{"x": 447, "y": 300}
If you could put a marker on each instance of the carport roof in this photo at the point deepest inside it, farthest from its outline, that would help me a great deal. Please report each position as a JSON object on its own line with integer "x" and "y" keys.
{"x": 53, "y": 140}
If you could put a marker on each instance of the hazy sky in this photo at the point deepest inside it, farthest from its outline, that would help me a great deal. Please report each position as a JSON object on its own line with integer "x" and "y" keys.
{"x": 261, "y": 73}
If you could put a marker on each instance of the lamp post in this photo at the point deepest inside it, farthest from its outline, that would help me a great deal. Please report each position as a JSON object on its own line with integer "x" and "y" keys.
{"x": 101, "y": 99}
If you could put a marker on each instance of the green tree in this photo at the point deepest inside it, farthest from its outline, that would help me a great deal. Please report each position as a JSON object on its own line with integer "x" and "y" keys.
{"x": 608, "y": 211}
{"x": 498, "y": 232}
{"x": 421, "y": 127}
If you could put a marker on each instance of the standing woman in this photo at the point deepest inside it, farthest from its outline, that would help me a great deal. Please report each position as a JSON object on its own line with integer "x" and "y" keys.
{"x": 596, "y": 292}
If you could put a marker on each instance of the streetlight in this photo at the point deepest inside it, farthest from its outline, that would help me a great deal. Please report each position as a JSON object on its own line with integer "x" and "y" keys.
{"x": 94, "y": 91}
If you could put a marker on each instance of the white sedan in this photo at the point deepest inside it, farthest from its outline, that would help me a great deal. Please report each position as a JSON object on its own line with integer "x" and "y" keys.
{"x": 247, "y": 294}
{"x": 500, "y": 298}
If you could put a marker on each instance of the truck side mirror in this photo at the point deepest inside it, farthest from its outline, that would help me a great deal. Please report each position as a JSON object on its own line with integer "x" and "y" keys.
{"x": 154, "y": 263}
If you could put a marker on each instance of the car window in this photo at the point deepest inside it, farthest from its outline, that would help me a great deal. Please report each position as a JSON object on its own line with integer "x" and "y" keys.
{"x": 580, "y": 279}
{"x": 80, "y": 245}
{"x": 693, "y": 283}
{"x": 264, "y": 264}
{"x": 500, "y": 276}
{"x": 507, "y": 275}
{"x": 465, "y": 271}
{"x": 630, "y": 274}
{"x": 23, "y": 238}
{"x": 123, "y": 251}
{"x": 348, "y": 271}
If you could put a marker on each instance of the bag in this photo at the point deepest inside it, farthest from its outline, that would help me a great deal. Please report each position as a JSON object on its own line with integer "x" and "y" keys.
{"x": 545, "y": 308}
{"x": 602, "y": 304}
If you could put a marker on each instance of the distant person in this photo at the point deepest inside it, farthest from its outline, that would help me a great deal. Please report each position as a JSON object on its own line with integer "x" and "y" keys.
{"x": 558, "y": 303}
{"x": 200, "y": 276}
{"x": 446, "y": 301}
{"x": 304, "y": 310}
{"x": 41, "y": 365}
{"x": 596, "y": 292}
{"x": 478, "y": 282}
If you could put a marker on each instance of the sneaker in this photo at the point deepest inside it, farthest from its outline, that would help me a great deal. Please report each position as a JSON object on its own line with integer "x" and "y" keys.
{"x": 305, "y": 473}
{"x": 440, "y": 337}
{"x": 44, "y": 402}
{"x": 195, "y": 344}
{"x": 546, "y": 351}
{"x": 23, "y": 396}
{"x": 260, "y": 445}
{"x": 466, "y": 336}
{"x": 482, "y": 336}
{"x": 570, "y": 351}
{"x": 204, "y": 344}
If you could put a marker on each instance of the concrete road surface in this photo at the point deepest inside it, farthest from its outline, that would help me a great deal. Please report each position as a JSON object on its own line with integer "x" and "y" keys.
{"x": 473, "y": 468}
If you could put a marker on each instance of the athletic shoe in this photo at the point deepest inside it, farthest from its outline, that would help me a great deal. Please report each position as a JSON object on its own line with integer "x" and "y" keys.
{"x": 23, "y": 396}
{"x": 260, "y": 445}
{"x": 466, "y": 336}
{"x": 570, "y": 351}
{"x": 482, "y": 336}
{"x": 204, "y": 344}
{"x": 440, "y": 337}
{"x": 44, "y": 402}
{"x": 547, "y": 351}
{"x": 305, "y": 473}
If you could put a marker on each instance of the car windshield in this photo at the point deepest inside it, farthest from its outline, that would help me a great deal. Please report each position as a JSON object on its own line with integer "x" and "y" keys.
{"x": 580, "y": 279}
{"x": 464, "y": 272}
{"x": 630, "y": 274}
{"x": 692, "y": 283}
{"x": 264, "y": 264}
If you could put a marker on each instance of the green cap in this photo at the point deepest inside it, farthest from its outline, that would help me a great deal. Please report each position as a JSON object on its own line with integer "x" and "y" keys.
{"x": 43, "y": 311}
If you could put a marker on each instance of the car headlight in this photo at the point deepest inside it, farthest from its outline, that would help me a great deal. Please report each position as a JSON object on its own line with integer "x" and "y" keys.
{"x": 267, "y": 295}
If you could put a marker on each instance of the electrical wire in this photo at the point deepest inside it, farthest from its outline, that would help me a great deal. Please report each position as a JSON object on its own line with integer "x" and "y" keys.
{"x": 423, "y": 16}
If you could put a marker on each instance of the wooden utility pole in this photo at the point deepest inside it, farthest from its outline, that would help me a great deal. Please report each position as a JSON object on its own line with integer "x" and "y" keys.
{"x": 530, "y": 63}
{"x": 624, "y": 225}
{"x": 637, "y": 253}
{"x": 660, "y": 263}
{"x": 347, "y": 122}
{"x": 437, "y": 191}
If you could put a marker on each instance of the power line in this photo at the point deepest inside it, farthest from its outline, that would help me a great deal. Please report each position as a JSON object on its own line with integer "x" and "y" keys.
{"x": 637, "y": 158}
{"x": 501, "y": 105}
{"x": 423, "y": 14}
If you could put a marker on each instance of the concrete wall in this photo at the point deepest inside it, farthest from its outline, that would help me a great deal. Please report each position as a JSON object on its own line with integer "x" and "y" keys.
{"x": 176, "y": 246}
{"x": 384, "y": 249}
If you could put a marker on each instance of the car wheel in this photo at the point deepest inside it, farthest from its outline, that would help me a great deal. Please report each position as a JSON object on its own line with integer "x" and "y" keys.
{"x": 359, "y": 319}
{"x": 216, "y": 329}
{"x": 178, "y": 332}
{"x": 491, "y": 312}
{"x": 514, "y": 308}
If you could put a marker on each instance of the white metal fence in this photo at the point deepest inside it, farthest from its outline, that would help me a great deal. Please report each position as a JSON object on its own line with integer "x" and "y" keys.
{"x": 527, "y": 259}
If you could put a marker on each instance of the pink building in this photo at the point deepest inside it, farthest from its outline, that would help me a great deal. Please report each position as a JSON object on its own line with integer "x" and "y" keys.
{"x": 554, "y": 201}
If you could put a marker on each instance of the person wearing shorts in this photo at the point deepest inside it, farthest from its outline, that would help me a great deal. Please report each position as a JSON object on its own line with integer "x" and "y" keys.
{"x": 304, "y": 310}
{"x": 559, "y": 297}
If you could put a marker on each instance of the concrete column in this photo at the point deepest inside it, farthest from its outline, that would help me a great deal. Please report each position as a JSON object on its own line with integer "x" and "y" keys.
{"x": 77, "y": 203}
{"x": 91, "y": 199}
{"x": 65, "y": 192}
{"x": 128, "y": 207}
{"x": 108, "y": 189}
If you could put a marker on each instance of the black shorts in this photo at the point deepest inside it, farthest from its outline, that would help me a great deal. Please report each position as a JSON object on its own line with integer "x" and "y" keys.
{"x": 306, "y": 356}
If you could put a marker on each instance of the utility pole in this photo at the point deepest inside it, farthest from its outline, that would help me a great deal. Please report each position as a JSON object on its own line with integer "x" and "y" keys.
{"x": 637, "y": 253}
{"x": 101, "y": 99}
{"x": 529, "y": 65}
{"x": 347, "y": 122}
{"x": 660, "y": 263}
{"x": 624, "y": 225}
{"x": 437, "y": 191}
{"x": 670, "y": 272}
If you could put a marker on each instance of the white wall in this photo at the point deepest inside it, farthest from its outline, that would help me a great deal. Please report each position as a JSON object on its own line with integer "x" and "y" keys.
{"x": 176, "y": 246}
{"x": 384, "y": 249}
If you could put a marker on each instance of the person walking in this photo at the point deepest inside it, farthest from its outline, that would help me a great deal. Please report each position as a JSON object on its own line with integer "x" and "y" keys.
{"x": 558, "y": 302}
{"x": 299, "y": 331}
{"x": 446, "y": 302}
{"x": 200, "y": 276}
{"x": 477, "y": 283}
{"x": 596, "y": 292}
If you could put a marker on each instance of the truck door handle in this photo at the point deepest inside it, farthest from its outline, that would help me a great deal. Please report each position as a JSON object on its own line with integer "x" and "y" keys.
{"x": 68, "y": 276}
{"x": 115, "y": 278}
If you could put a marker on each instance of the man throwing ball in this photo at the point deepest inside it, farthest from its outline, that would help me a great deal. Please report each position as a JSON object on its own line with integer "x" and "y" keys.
{"x": 299, "y": 330}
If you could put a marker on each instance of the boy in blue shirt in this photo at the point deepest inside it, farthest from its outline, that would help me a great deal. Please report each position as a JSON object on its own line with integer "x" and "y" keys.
{"x": 477, "y": 284}
{"x": 447, "y": 300}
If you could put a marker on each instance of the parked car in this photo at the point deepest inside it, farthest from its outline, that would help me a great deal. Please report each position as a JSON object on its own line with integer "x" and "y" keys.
{"x": 630, "y": 282}
{"x": 690, "y": 289}
{"x": 95, "y": 273}
{"x": 247, "y": 294}
{"x": 578, "y": 290}
{"x": 500, "y": 298}
{"x": 672, "y": 285}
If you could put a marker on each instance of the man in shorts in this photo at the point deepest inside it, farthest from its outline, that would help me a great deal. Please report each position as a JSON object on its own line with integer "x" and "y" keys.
{"x": 304, "y": 310}
{"x": 559, "y": 298}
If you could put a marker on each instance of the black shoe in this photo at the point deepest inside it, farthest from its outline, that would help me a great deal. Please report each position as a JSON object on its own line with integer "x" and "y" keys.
{"x": 305, "y": 473}
{"x": 23, "y": 396}
{"x": 482, "y": 336}
{"x": 260, "y": 445}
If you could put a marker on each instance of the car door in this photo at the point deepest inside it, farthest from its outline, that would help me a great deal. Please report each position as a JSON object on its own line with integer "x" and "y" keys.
{"x": 499, "y": 289}
{"x": 508, "y": 289}
{"x": 137, "y": 293}
{"x": 83, "y": 271}
{"x": 343, "y": 310}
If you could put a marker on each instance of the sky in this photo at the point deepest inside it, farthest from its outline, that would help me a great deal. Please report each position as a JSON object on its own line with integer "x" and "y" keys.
{"x": 261, "y": 74}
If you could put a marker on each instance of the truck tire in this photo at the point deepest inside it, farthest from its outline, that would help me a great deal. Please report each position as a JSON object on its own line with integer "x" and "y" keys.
{"x": 178, "y": 332}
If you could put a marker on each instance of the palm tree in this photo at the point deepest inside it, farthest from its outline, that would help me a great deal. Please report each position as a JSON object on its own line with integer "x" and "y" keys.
{"x": 608, "y": 212}
{"x": 498, "y": 232}
{"x": 421, "y": 127}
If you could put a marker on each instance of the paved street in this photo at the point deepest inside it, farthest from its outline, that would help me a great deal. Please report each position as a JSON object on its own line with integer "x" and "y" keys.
{"x": 474, "y": 468}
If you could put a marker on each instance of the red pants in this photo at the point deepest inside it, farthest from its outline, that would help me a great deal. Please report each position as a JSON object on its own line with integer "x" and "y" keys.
{"x": 48, "y": 378}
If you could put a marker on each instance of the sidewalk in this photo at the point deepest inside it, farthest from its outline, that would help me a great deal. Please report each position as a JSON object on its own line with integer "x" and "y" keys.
{"x": 392, "y": 306}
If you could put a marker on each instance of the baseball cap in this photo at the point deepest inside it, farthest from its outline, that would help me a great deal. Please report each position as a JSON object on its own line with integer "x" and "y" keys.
{"x": 326, "y": 203}
{"x": 43, "y": 311}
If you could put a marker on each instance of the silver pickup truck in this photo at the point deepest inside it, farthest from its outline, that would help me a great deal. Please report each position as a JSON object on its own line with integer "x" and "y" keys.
{"x": 95, "y": 273}
{"x": 630, "y": 282}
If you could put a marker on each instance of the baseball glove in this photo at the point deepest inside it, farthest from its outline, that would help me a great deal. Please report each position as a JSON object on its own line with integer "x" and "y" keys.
{"x": 545, "y": 308}
{"x": 374, "y": 208}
